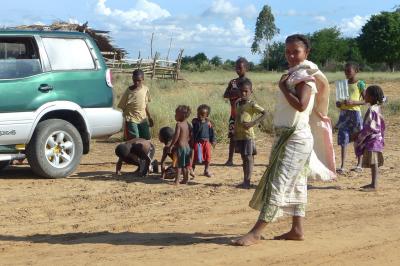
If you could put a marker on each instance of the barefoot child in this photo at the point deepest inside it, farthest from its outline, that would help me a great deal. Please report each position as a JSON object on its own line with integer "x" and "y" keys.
{"x": 181, "y": 143}
{"x": 139, "y": 152}
{"x": 246, "y": 109}
{"x": 233, "y": 94}
{"x": 370, "y": 140}
{"x": 350, "y": 114}
{"x": 134, "y": 104}
{"x": 204, "y": 137}
{"x": 165, "y": 136}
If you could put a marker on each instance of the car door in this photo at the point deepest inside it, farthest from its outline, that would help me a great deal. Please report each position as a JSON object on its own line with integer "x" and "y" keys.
{"x": 24, "y": 85}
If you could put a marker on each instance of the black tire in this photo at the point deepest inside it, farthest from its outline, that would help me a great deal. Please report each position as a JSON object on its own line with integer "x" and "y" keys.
{"x": 4, "y": 164}
{"x": 55, "y": 149}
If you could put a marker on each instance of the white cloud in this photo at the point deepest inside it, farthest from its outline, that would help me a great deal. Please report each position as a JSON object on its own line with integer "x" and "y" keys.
{"x": 352, "y": 26}
{"x": 73, "y": 21}
{"x": 221, "y": 7}
{"x": 193, "y": 33}
{"x": 320, "y": 18}
{"x": 250, "y": 11}
{"x": 143, "y": 11}
{"x": 102, "y": 9}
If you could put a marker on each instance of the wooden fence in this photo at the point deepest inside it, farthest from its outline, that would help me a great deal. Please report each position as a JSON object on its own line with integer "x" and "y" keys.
{"x": 154, "y": 68}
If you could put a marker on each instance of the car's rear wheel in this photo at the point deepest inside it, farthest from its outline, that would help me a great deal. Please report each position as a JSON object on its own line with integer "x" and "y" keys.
{"x": 55, "y": 149}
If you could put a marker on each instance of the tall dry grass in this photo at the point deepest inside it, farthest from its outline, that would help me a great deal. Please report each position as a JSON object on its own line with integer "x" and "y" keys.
{"x": 208, "y": 88}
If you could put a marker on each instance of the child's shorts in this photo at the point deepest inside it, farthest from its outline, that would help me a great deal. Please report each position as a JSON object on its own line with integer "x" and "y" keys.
{"x": 371, "y": 158}
{"x": 184, "y": 155}
{"x": 350, "y": 122}
{"x": 133, "y": 130}
{"x": 202, "y": 151}
{"x": 245, "y": 147}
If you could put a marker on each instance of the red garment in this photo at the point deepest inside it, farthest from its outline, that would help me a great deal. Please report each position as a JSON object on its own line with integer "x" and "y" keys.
{"x": 205, "y": 151}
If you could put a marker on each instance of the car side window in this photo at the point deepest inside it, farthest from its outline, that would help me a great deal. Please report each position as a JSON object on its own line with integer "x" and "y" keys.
{"x": 19, "y": 57}
{"x": 68, "y": 54}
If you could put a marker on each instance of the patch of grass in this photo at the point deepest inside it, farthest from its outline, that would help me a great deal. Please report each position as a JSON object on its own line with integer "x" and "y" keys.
{"x": 392, "y": 107}
{"x": 208, "y": 88}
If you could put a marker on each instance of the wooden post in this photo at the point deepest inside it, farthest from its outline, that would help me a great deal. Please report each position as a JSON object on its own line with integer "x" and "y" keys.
{"x": 169, "y": 49}
{"x": 153, "y": 72}
{"x": 151, "y": 45}
{"x": 178, "y": 65}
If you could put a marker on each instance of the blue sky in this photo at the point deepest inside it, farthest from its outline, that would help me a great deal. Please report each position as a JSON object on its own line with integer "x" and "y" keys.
{"x": 215, "y": 27}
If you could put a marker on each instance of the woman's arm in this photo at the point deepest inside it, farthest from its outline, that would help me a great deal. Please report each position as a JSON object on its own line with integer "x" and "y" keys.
{"x": 301, "y": 98}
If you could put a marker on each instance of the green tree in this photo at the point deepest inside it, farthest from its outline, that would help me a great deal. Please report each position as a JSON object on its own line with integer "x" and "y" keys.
{"x": 216, "y": 61}
{"x": 379, "y": 41}
{"x": 264, "y": 32}
{"x": 199, "y": 59}
{"x": 327, "y": 45}
{"x": 353, "y": 53}
{"x": 276, "y": 58}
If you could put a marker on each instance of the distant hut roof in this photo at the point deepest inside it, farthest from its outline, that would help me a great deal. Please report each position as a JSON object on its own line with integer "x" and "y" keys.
{"x": 102, "y": 38}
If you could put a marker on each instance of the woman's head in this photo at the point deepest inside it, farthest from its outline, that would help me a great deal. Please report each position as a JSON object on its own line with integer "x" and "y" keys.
{"x": 350, "y": 70}
{"x": 241, "y": 66}
{"x": 297, "y": 48}
{"x": 203, "y": 111}
{"x": 165, "y": 134}
{"x": 374, "y": 95}
{"x": 246, "y": 88}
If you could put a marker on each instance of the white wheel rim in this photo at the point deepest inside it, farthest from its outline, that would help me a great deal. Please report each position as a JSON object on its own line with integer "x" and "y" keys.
{"x": 59, "y": 149}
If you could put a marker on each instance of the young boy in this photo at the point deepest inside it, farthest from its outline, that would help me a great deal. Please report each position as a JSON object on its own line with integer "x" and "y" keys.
{"x": 244, "y": 133}
{"x": 165, "y": 136}
{"x": 204, "y": 137}
{"x": 232, "y": 93}
{"x": 180, "y": 141}
{"x": 134, "y": 104}
{"x": 350, "y": 121}
{"x": 139, "y": 152}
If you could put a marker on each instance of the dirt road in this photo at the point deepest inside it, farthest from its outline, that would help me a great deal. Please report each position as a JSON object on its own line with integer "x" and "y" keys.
{"x": 95, "y": 217}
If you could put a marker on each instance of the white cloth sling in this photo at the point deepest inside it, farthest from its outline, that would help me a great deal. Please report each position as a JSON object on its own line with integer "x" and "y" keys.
{"x": 322, "y": 160}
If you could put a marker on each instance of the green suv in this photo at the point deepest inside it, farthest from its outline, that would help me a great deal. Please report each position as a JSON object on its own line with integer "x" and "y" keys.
{"x": 55, "y": 95}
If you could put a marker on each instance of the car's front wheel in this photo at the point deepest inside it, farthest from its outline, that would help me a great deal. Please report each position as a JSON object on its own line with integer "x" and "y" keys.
{"x": 55, "y": 149}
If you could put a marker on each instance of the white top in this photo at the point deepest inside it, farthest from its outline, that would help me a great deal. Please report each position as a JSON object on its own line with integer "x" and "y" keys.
{"x": 285, "y": 115}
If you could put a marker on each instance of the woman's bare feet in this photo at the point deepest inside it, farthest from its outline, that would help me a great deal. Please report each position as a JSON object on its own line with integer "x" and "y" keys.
{"x": 248, "y": 239}
{"x": 291, "y": 235}
{"x": 369, "y": 187}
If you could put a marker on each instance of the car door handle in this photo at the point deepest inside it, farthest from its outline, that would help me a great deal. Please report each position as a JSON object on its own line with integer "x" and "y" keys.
{"x": 45, "y": 88}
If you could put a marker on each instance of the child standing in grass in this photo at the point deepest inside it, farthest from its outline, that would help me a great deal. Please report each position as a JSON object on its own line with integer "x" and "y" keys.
{"x": 350, "y": 114}
{"x": 246, "y": 109}
{"x": 134, "y": 104}
{"x": 204, "y": 137}
{"x": 370, "y": 140}
{"x": 232, "y": 93}
{"x": 181, "y": 143}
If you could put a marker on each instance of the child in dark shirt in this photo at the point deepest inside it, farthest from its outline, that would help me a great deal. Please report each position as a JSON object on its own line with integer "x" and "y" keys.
{"x": 204, "y": 137}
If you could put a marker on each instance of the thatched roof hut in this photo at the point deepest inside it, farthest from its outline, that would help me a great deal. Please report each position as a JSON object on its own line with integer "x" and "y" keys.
{"x": 102, "y": 38}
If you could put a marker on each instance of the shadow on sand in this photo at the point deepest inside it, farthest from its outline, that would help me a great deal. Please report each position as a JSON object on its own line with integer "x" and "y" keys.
{"x": 123, "y": 238}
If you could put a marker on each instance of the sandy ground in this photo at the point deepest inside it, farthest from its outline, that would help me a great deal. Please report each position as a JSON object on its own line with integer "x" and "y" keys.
{"x": 95, "y": 217}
